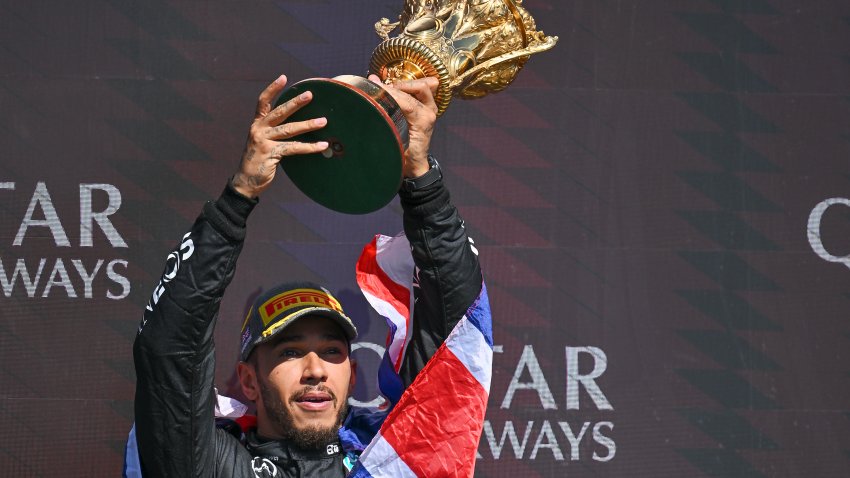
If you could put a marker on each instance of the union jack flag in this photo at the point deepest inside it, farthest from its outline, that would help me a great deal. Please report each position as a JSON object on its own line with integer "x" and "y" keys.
{"x": 434, "y": 429}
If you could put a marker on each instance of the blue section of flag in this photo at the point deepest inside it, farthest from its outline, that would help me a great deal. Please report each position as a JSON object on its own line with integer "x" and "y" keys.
{"x": 479, "y": 315}
{"x": 389, "y": 382}
{"x": 360, "y": 427}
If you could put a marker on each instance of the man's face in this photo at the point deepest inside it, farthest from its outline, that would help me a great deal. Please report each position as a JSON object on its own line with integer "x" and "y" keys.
{"x": 304, "y": 378}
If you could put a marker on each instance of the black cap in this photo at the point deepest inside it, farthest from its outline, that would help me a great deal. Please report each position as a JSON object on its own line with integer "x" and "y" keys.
{"x": 281, "y": 306}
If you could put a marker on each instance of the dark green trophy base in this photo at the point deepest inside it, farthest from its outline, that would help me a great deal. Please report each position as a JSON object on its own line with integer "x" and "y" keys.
{"x": 361, "y": 170}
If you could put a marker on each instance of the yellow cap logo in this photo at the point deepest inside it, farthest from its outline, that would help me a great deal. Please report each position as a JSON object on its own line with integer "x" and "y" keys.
{"x": 297, "y": 298}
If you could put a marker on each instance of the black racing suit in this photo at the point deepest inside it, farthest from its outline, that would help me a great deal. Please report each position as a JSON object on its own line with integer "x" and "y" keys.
{"x": 174, "y": 351}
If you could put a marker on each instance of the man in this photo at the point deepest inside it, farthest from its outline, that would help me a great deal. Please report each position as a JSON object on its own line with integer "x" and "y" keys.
{"x": 296, "y": 341}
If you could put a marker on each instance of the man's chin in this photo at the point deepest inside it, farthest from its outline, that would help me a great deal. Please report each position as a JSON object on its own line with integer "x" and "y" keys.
{"x": 314, "y": 434}
{"x": 309, "y": 418}
{"x": 302, "y": 422}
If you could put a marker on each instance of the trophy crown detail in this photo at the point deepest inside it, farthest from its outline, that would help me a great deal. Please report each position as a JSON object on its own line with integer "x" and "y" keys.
{"x": 474, "y": 47}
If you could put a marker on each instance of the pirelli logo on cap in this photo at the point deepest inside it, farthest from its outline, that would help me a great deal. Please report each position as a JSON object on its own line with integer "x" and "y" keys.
{"x": 296, "y": 298}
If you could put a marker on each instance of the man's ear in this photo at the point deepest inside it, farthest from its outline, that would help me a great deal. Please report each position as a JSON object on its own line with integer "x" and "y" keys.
{"x": 353, "y": 379}
{"x": 248, "y": 380}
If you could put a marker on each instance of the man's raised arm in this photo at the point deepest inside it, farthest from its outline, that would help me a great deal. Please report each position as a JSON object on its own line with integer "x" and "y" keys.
{"x": 173, "y": 352}
{"x": 447, "y": 275}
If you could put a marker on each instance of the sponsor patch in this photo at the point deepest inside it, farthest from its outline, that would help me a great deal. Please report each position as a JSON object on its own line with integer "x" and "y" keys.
{"x": 281, "y": 303}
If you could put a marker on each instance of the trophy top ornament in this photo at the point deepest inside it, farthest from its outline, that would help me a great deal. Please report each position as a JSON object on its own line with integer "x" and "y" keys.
{"x": 474, "y": 47}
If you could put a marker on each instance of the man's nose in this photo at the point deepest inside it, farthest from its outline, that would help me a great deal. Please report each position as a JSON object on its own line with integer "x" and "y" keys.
{"x": 314, "y": 369}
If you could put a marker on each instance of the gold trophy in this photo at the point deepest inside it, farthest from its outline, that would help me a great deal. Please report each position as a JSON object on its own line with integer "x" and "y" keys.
{"x": 474, "y": 47}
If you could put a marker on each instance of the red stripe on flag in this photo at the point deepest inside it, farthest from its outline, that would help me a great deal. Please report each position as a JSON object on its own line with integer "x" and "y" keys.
{"x": 436, "y": 426}
{"x": 373, "y": 279}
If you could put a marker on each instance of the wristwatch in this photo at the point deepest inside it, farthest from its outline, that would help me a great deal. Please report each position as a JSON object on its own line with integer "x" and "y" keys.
{"x": 433, "y": 175}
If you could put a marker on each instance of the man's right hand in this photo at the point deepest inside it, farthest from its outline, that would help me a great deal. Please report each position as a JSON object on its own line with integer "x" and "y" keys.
{"x": 270, "y": 139}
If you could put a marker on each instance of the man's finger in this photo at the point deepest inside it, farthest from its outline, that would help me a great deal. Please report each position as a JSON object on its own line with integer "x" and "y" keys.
{"x": 429, "y": 82}
{"x": 406, "y": 102}
{"x": 264, "y": 103}
{"x": 411, "y": 94}
{"x": 290, "y": 130}
{"x": 293, "y": 148}
{"x": 279, "y": 114}
{"x": 422, "y": 89}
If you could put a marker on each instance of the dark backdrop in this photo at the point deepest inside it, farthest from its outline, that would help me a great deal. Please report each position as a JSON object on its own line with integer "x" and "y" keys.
{"x": 640, "y": 197}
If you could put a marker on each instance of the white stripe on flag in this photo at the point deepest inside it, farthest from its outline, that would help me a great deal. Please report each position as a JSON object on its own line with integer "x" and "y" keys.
{"x": 385, "y": 309}
{"x": 467, "y": 343}
{"x": 380, "y": 460}
{"x": 393, "y": 256}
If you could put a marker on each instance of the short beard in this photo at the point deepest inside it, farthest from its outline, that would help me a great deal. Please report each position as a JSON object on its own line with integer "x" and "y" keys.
{"x": 309, "y": 438}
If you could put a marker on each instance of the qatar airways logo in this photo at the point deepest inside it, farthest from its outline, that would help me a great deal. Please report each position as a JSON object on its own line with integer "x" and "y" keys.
{"x": 559, "y": 432}
{"x": 42, "y": 277}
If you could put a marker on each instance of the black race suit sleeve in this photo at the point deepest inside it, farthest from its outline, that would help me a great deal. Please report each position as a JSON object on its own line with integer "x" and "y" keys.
{"x": 447, "y": 274}
{"x": 174, "y": 351}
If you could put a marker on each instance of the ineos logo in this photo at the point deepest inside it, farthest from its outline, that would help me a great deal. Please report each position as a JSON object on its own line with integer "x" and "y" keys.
{"x": 815, "y": 219}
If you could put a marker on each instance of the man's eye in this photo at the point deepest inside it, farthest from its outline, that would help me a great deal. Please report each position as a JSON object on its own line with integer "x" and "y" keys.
{"x": 333, "y": 351}
{"x": 289, "y": 353}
